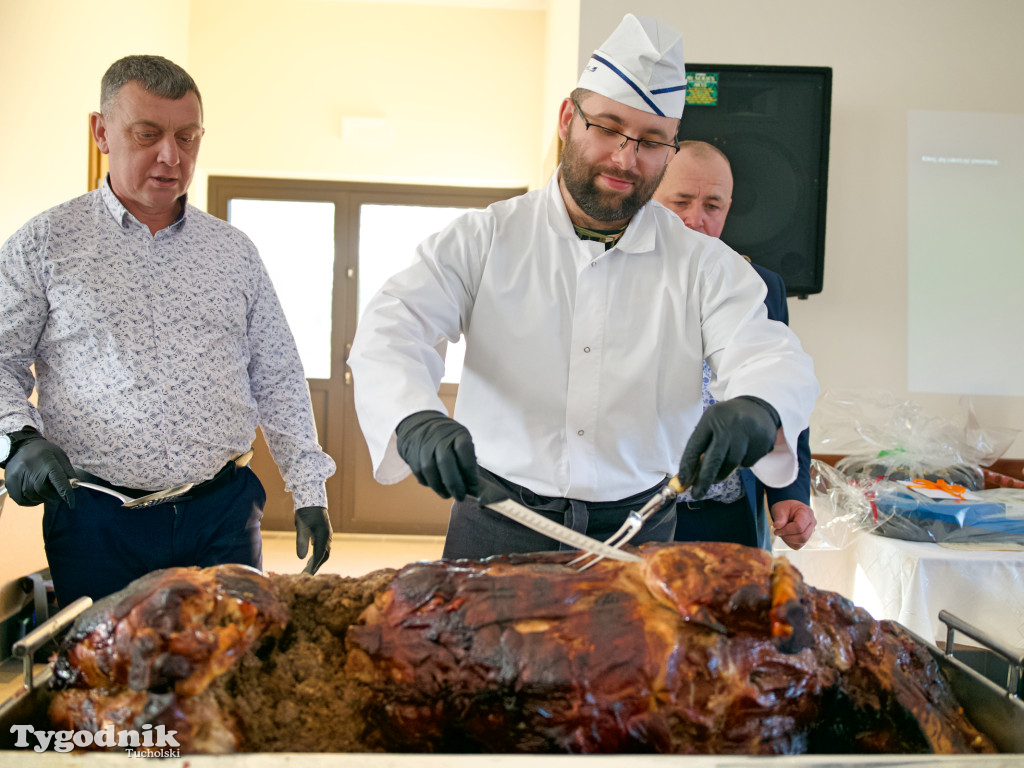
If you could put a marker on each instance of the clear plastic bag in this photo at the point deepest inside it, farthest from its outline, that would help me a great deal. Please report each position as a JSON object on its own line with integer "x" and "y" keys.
{"x": 843, "y": 507}
{"x": 888, "y": 440}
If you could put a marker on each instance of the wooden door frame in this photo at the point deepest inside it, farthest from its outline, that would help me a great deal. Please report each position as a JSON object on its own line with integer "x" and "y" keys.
{"x": 339, "y": 404}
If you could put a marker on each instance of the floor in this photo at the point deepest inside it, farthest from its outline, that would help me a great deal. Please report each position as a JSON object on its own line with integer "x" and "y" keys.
{"x": 351, "y": 554}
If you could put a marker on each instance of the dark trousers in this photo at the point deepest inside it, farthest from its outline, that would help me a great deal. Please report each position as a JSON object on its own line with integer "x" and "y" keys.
{"x": 477, "y": 532}
{"x": 716, "y": 521}
{"x": 99, "y": 547}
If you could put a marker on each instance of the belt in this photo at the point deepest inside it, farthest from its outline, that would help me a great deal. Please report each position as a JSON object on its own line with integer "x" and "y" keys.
{"x": 224, "y": 475}
{"x": 575, "y": 514}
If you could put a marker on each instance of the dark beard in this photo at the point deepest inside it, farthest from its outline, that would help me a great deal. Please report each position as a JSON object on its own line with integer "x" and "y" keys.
{"x": 597, "y": 204}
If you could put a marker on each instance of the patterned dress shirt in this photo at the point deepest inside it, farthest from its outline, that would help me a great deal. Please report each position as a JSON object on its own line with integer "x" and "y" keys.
{"x": 155, "y": 357}
{"x": 730, "y": 489}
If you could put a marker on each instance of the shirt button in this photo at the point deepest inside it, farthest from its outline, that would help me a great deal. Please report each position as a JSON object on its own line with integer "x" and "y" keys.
{"x": 593, "y": 263}
{"x": 586, "y": 349}
{"x": 580, "y": 433}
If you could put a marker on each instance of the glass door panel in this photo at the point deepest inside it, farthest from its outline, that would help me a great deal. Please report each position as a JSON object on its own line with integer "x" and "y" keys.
{"x": 295, "y": 238}
{"x": 388, "y": 236}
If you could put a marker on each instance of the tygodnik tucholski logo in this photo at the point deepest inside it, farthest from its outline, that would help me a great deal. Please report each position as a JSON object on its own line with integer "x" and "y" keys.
{"x": 149, "y": 742}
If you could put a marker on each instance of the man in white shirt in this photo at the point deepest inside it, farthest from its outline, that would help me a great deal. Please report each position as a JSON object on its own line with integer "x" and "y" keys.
{"x": 587, "y": 312}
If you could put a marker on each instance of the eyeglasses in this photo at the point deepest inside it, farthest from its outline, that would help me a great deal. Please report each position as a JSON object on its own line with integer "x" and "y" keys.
{"x": 648, "y": 151}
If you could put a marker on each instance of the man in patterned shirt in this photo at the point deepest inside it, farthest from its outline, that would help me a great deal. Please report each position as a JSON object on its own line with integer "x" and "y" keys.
{"x": 697, "y": 187}
{"x": 159, "y": 346}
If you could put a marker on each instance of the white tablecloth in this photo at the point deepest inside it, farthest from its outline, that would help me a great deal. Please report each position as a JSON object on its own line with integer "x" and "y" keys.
{"x": 911, "y": 582}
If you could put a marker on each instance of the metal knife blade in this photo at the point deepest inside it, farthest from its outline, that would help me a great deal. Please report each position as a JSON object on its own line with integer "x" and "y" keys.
{"x": 559, "y": 532}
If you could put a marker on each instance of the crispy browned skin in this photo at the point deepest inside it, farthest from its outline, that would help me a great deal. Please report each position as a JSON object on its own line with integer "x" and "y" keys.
{"x": 702, "y": 648}
{"x": 150, "y": 652}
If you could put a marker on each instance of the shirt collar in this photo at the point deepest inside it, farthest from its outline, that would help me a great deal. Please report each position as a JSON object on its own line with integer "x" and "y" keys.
{"x": 639, "y": 236}
{"x": 122, "y": 215}
{"x": 558, "y": 214}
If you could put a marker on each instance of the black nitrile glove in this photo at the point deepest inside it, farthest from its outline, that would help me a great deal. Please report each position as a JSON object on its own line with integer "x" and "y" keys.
{"x": 490, "y": 492}
{"x": 439, "y": 451}
{"x": 730, "y": 434}
{"x": 38, "y": 471}
{"x": 313, "y": 523}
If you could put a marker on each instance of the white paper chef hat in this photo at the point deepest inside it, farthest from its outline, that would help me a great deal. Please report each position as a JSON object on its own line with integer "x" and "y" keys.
{"x": 640, "y": 65}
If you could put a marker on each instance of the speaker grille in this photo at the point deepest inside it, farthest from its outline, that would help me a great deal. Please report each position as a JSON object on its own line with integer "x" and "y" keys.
{"x": 773, "y": 124}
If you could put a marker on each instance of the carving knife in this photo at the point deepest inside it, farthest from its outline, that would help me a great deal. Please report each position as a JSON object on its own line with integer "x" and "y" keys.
{"x": 557, "y": 531}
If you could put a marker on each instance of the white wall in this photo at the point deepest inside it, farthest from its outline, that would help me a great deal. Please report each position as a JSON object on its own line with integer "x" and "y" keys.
{"x": 887, "y": 58}
{"x": 561, "y": 72}
{"x": 457, "y": 86}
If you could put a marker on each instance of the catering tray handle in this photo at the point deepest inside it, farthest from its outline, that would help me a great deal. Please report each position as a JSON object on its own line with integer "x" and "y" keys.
{"x": 25, "y": 649}
{"x": 1013, "y": 657}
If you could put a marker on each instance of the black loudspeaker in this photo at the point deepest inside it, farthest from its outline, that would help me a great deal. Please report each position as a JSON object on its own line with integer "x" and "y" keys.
{"x": 772, "y": 122}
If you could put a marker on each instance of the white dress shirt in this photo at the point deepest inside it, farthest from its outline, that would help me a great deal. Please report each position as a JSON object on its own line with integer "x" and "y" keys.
{"x": 583, "y": 367}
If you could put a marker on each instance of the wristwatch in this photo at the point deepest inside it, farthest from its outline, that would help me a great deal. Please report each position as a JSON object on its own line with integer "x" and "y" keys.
{"x": 8, "y": 442}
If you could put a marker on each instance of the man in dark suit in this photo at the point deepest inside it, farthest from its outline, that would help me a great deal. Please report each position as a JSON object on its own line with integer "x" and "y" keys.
{"x": 697, "y": 186}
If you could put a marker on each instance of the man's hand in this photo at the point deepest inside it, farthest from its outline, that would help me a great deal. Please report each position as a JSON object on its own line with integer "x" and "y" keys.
{"x": 793, "y": 521}
{"x": 733, "y": 433}
{"x": 439, "y": 451}
{"x": 313, "y": 523}
{"x": 38, "y": 471}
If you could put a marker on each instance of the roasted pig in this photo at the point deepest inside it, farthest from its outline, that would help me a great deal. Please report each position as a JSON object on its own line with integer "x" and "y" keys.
{"x": 699, "y": 648}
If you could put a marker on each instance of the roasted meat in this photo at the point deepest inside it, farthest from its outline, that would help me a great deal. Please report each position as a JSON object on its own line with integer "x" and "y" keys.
{"x": 149, "y": 653}
{"x": 700, "y": 648}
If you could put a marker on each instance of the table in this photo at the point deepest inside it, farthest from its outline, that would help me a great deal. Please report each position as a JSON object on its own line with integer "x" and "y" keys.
{"x": 910, "y": 582}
